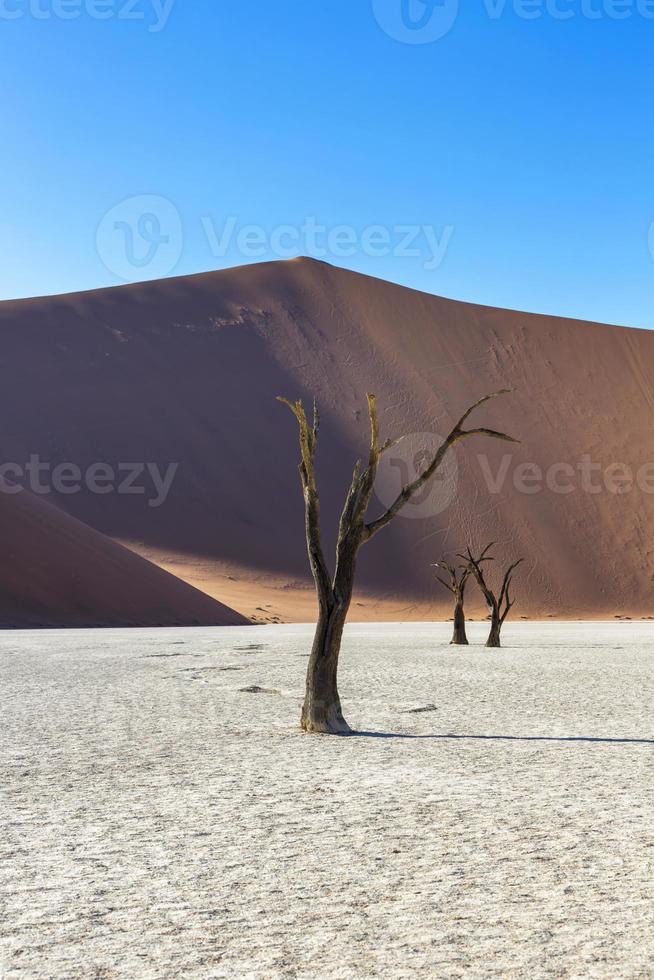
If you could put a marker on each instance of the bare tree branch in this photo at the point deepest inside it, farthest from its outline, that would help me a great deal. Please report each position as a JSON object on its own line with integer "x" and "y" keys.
{"x": 444, "y": 583}
{"x": 370, "y": 474}
{"x": 504, "y": 594}
{"x": 457, "y": 582}
{"x": 352, "y": 527}
{"x": 391, "y": 443}
{"x": 447, "y": 585}
{"x": 482, "y": 401}
{"x": 456, "y": 435}
{"x": 491, "y": 433}
{"x": 308, "y": 446}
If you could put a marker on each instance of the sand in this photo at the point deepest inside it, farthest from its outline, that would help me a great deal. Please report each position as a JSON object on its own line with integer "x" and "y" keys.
{"x": 58, "y": 572}
{"x": 164, "y": 817}
{"x": 187, "y": 370}
{"x": 264, "y": 597}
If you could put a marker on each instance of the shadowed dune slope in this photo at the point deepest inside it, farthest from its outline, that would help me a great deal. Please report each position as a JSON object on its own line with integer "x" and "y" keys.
{"x": 186, "y": 371}
{"x": 57, "y": 572}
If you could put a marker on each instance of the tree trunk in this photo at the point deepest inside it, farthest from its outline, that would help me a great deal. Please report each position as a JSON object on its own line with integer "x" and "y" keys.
{"x": 495, "y": 630}
{"x": 321, "y": 711}
{"x": 459, "y": 638}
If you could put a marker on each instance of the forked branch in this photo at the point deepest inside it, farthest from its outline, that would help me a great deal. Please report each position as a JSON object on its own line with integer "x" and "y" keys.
{"x": 456, "y": 435}
{"x": 500, "y": 605}
{"x": 457, "y": 577}
{"x": 503, "y": 603}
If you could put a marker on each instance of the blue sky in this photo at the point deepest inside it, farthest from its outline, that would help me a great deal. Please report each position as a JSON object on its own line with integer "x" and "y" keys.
{"x": 509, "y": 161}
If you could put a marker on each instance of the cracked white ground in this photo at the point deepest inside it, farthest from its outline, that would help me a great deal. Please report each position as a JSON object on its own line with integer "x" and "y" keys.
{"x": 163, "y": 817}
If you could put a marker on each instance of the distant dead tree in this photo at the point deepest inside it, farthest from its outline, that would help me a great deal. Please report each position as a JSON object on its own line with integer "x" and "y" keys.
{"x": 321, "y": 711}
{"x": 499, "y": 605}
{"x": 458, "y": 578}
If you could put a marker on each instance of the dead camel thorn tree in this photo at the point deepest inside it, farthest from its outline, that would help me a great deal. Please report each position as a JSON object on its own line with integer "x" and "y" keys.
{"x": 321, "y": 711}
{"x": 499, "y": 606}
{"x": 458, "y": 579}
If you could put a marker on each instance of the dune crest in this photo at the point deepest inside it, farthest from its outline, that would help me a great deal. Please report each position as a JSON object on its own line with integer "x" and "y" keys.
{"x": 187, "y": 371}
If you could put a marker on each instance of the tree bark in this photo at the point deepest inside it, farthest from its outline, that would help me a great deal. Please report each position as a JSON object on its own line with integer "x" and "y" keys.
{"x": 321, "y": 711}
{"x": 495, "y": 631}
{"x": 459, "y": 638}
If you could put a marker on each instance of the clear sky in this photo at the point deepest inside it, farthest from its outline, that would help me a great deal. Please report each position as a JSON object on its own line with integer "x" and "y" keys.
{"x": 500, "y": 152}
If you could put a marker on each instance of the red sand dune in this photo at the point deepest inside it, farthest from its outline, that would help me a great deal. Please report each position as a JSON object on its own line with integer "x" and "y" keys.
{"x": 56, "y": 571}
{"x": 187, "y": 370}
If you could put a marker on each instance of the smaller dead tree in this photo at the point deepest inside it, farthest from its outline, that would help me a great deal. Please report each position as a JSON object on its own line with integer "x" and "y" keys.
{"x": 458, "y": 578}
{"x": 499, "y": 605}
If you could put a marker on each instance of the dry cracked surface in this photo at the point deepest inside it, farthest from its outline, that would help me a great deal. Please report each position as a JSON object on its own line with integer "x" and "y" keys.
{"x": 163, "y": 817}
